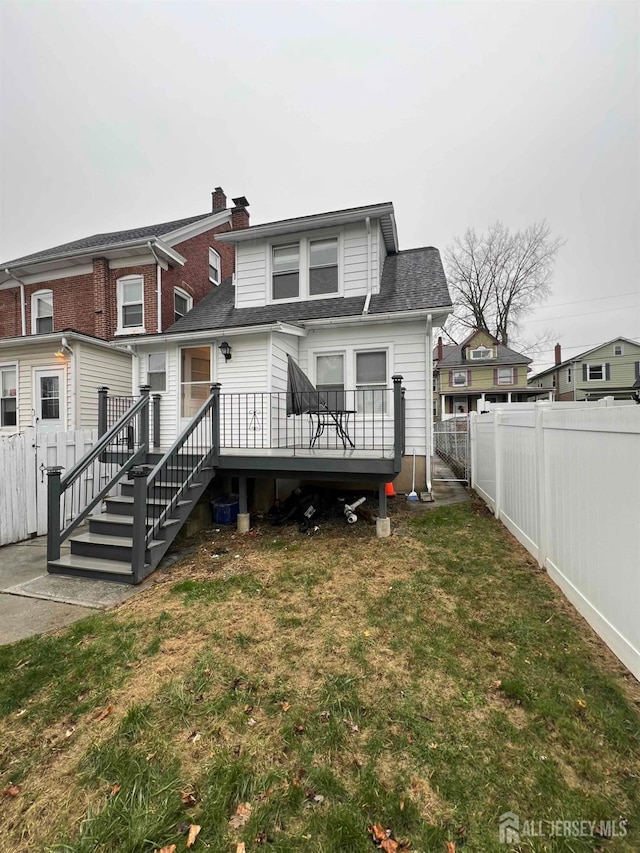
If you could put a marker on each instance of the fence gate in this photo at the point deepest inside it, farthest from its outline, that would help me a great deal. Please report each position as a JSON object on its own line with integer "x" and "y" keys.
{"x": 452, "y": 445}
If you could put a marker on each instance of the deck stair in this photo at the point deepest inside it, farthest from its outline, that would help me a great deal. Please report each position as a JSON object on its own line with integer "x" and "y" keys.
{"x": 147, "y": 497}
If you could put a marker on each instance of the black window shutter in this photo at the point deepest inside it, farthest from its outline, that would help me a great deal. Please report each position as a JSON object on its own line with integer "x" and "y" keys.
{"x": 584, "y": 372}
{"x": 637, "y": 369}
{"x": 607, "y": 371}
{"x": 495, "y": 376}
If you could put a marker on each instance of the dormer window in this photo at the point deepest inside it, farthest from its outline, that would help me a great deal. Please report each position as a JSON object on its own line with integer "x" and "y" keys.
{"x": 286, "y": 271}
{"x": 215, "y": 274}
{"x": 182, "y": 303}
{"x": 323, "y": 266}
{"x": 42, "y": 312}
{"x": 480, "y": 353}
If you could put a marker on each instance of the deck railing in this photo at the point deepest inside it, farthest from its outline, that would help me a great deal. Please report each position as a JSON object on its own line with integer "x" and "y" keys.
{"x": 365, "y": 419}
{"x": 118, "y": 449}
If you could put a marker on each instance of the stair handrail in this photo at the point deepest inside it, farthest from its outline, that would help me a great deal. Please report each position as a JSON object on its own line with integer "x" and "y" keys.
{"x": 57, "y": 485}
{"x": 211, "y": 404}
{"x": 102, "y": 445}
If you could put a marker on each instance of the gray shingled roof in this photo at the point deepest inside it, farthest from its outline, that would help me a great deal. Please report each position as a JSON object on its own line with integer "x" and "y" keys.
{"x": 452, "y": 357}
{"x": 413, "y": 279}
{"x": 97, "y": 241}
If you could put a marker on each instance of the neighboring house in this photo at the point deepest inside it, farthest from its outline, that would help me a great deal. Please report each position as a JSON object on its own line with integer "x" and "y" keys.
{"x": 611, "y": 369}
{"x": 103, "y": 287}
{"x": 330, "y": 294}
{"x": 477, "y": 371}
{"x": 50, "y": 381}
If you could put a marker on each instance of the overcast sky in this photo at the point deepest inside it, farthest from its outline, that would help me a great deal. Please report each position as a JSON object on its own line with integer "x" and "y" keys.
{"x": 119, "y": 114}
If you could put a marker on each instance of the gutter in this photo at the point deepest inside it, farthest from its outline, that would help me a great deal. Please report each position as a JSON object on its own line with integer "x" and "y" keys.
{"x": 23, "y": 313}
{"x": 206, "y": 334}
{"x": 354, "y": 320}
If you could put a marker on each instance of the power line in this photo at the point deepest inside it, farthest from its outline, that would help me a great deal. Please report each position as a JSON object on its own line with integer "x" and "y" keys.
{"x": 595, "y": 299}
{"x": 585, "y": 314}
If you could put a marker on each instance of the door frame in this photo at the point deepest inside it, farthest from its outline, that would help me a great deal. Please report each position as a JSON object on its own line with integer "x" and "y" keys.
{"x": 182, "y": 422}
{"x": 59, "y": 370}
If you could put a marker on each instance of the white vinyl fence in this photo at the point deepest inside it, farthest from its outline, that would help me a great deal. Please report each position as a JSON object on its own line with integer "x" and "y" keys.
{"x": 565, "y": 480}
{"x": 23, "y": 478}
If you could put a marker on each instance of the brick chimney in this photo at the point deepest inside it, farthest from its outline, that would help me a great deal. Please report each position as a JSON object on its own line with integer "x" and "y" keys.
{"x": 558, "y": 354}
{"x": 439, "y": 352}
{"x": 218, "y": 199}
{"x": 239, "y": 213}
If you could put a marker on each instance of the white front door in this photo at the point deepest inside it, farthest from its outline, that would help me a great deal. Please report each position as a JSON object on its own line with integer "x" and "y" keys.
{"x": 49, "y": 398}
{"x": 195, "y": 380}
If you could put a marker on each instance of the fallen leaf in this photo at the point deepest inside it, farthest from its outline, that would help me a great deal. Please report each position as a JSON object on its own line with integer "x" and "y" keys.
{"x": 451, "y": 847}
{"x": 114, "y": 789}
{"x": 188, "y": 798}
{"x": 170, "y": 848}
{"x": 353, "y": 727}
{"x": 389, "y": 846}
{"x": 241, "y": 847}
{"x": 251, "y": 722}
{"x": 104, "y": 714}
{"x": 248, "y": 709}
{"x": 582, "y": 703}
{"x": 242, "y": 815}
{"x": 11, "y": 791}
{"x": 497, "y": 684}
{"x": 298, "y": 729}
{"x": 194, "y": 829}
{"x": 285, "y": 706}
{"x": 194, "y": 736}
{"x": 69, "y": 732}
{"x": 401, "y": 804}
{"x": 378, "y": 832}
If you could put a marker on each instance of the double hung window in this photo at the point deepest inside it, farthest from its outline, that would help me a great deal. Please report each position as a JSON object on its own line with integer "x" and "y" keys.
{"x": 8, "y": 396}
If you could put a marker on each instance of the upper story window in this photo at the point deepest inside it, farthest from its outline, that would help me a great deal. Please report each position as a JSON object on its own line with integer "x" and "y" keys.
{"x": 618, "y": 349}
{"x": 323, "y": 266}
{"x": 157, "y": 371}
{"x": 505, "y": 376}
{"x": 286, "y": 271}
{"x": 215, "y": 267}
{"x": 481, "y": 353}
{"x": 569, "y": 375}
{"x": 182, "y": 303}
{"x": 595, "y": 372}
{"x": 8, "y": 396}
{"x": 42, "y": 312}
{"x": 459, "y": 378}
{"x": 306, "y": 269}
{"x": 131, "y": 304}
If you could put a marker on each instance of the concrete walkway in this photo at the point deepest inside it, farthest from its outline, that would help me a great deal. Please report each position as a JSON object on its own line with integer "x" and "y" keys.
{"x": 446, "y": 489}
{"x": 33, "y": 602}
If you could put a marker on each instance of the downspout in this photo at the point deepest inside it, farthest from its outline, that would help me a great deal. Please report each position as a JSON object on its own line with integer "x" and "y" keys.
{"x": 158, "y": 287}
{"x": 365, "y": 310}
{"x": 73, "y": 382}
{"x": 429, "y": 401}
{"x": 135, "y": 370}
{"x": 23, "y": 313}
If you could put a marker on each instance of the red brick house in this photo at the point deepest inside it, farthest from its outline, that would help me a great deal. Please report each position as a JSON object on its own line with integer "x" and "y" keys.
{"x": 138, "y": 281}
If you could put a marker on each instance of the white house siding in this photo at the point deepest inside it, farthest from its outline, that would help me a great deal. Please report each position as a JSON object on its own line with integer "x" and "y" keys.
{"x": 246, "y": 371}
{"x": 97, "y": 366}
{"x": 251, "y": 273}
{"x": 252, "y": 268}
{"x": 406, "y": 343}
{"x": 281, "y": 347}
{"x": 39, "y": 356}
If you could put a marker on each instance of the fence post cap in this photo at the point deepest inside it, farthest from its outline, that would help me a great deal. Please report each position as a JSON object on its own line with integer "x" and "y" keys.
{"x": 54, "y": 469}
{"x": 103, "y": 389}
{"x": 138, "y": 471}
{"x": 215, "y": 386}
{"x": 144, "y": 389}
{"x": 397, "y": 377}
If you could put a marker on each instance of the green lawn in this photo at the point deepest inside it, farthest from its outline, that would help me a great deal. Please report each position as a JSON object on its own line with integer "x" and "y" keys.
{"x": 295, "y": 690}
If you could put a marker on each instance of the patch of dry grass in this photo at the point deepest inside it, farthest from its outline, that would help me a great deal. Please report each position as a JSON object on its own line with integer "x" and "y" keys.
{"x": 430, "y": 681}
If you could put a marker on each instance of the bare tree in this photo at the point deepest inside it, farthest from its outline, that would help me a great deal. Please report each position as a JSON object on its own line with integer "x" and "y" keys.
{"x": 496, "y": 278}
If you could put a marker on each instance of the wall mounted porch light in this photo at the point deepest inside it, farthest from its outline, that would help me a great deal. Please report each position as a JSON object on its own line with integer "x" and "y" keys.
{"x": 225, "y": 349}
{"x": 64, "y": 349}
